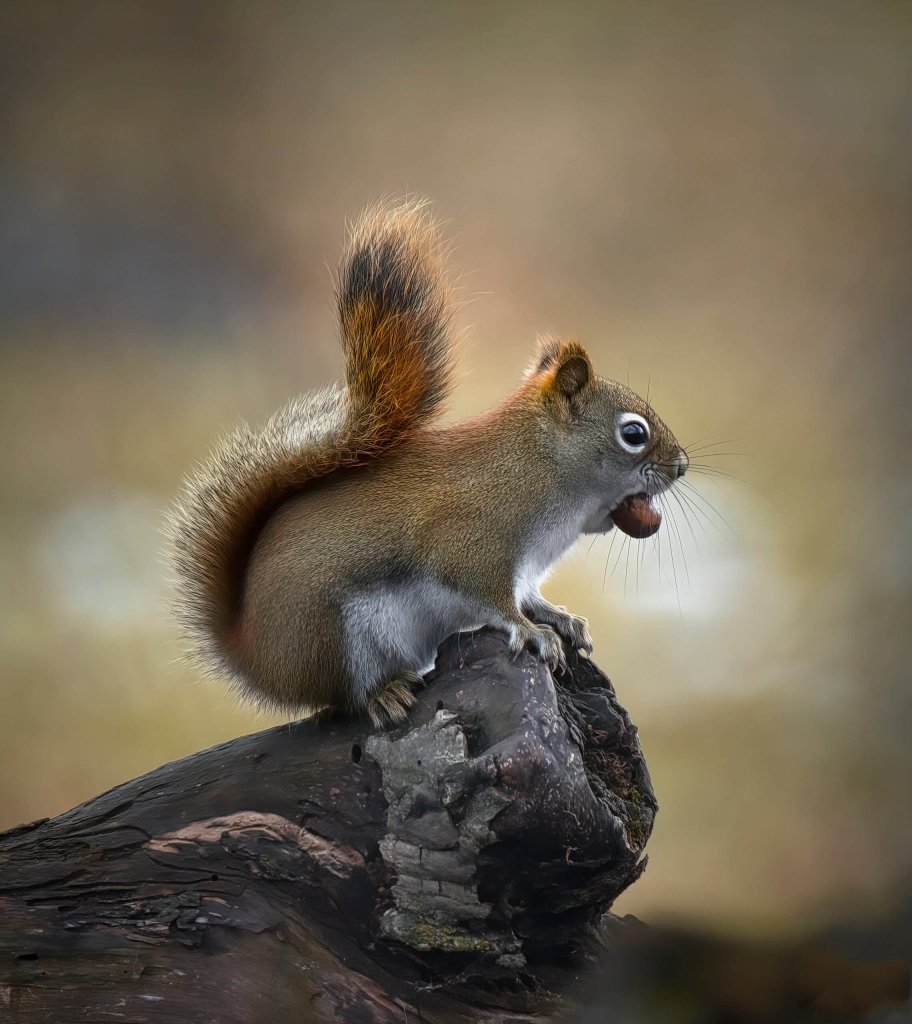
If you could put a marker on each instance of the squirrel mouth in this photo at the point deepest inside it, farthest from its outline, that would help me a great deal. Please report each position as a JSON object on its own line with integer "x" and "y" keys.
{"x": 638, "y": 515}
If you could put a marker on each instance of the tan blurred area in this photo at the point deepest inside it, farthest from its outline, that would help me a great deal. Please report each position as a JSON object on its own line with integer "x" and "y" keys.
{"x": 715, "y": 197}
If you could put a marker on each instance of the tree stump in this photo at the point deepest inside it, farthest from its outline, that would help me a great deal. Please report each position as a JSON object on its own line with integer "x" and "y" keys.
{"x": 459, "y": 868}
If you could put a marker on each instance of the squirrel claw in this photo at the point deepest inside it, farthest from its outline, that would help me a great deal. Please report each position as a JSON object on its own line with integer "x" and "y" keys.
{"x": 572, "y": 629}
{"x": 389, "y": 704}
{"x": 582, "y": 641}
{"x": 544, "y": 643}
{"x": 575, "y": 630}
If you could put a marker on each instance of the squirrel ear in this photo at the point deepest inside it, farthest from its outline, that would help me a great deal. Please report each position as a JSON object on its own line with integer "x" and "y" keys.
{"x": 566, "y": 371}
{"x": 546, "y": 354}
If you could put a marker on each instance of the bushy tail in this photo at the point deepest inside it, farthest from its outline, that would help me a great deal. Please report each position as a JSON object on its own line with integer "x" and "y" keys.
{"x": 394, "y": 311}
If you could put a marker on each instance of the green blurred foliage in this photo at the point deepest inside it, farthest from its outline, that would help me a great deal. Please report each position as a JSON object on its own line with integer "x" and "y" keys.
{"x": 714, "y": 197}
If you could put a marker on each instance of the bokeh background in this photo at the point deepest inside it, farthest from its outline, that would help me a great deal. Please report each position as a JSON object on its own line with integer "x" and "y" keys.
{"x": 715, "y": 197}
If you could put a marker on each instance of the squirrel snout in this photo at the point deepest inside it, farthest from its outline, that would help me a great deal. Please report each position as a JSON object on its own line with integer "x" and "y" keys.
{"x": 682, "y": 464}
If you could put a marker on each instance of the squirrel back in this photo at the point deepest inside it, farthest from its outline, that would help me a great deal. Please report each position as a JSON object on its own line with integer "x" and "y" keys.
{"x": 394, "y": 311}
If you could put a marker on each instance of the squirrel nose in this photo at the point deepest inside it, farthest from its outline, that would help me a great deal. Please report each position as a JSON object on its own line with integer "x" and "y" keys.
{"x": 683, "y": 463}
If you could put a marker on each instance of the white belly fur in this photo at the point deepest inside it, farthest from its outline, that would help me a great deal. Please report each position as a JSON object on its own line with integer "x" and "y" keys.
{"x": 397, "y": 628}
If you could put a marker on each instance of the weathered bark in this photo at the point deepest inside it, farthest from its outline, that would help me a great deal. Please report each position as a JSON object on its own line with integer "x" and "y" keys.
{"x": 457, "y": 869}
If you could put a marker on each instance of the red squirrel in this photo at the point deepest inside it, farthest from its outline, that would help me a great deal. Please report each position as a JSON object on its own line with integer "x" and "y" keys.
{"x": 321, "y": 559}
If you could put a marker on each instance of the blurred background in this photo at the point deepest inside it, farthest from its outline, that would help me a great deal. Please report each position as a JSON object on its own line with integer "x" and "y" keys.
{"x": 715, "y": 197}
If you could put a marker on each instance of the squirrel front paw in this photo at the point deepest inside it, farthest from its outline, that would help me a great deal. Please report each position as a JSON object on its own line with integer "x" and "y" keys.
{"x": 543, "y": 642}
{"x": 573, "y": 629}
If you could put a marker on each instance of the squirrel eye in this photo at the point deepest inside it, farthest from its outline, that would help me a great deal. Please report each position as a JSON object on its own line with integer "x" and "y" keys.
{"x": 634, "y": 434}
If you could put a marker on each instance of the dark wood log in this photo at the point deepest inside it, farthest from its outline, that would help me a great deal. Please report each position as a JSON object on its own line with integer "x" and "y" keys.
{"x": 457, "y": 869}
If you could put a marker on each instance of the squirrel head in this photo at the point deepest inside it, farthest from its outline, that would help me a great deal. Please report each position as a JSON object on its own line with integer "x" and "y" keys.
{"x": 607, "y": 436}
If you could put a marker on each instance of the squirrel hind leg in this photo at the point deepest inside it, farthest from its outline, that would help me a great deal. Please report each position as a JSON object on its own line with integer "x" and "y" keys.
{"x": 390, "y": 702}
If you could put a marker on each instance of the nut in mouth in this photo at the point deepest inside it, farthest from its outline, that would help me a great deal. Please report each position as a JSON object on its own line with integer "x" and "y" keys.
{"x": 638, "y": 515}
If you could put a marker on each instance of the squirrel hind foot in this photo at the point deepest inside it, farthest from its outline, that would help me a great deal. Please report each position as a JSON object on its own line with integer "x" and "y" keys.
{"x": 389, "y": 704}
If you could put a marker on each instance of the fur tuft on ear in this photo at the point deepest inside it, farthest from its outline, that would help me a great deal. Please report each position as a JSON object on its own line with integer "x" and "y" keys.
{"x": 546, "y": 354}
{"x": 564, "y": 371}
